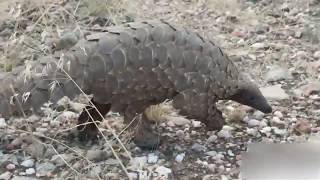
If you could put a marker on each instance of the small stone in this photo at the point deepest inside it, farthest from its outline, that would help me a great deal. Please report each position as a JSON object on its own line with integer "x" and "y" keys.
{"x": 3, "y": 123}
{"x": 179, "y": 158}
{"x": 308, "y": 89}
{"x": 198, "y": 147}
{"x": 224, "y": 134}
{"x": 152, "y": 158}
{"x": 138, "y": 162}
{"x": 6, "y": 175}
{"x": 237, "y": 115}
{"x": 303, "y": 127}
{"x": 278, "y": 114}
{"x": 258, "y": 115}
{"x": 212, "y": 167}
{"x": 211, "y": 153}
{"x": 212, "y": 139}
{"x": 43, "y": 169}
{"x": 252, "y": 131}
{"x": 97, "y": 155}
{"x": 259, "y": 46}
{"x": 196, "y": 123}
{"x": 28, "y": 163}
{"x": 274, "y": 92}
{"x": 275, "y": 121}
{"x": 67, "y": 41}
{"x": 278, "y": 131}
{"x": 163, "y": 171}
{"x": 178, "y": 121}
{"x": 10, "y": 167}
{"x": 60, "y": 159}
{"x": 253, "y": 123}
{"x": 317, "y": 55}
{"x": 277, "y": 73}
{"x": 298, "y": 34}
{"x": 266, "y": 130}
{"x": 30, "y": 171}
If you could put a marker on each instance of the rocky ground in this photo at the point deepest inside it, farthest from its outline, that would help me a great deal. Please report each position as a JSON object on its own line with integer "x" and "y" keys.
{"x": 276, "y": 42}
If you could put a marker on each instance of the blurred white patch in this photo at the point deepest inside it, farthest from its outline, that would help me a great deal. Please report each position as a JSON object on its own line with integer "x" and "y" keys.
{"x": 281, "y": 162}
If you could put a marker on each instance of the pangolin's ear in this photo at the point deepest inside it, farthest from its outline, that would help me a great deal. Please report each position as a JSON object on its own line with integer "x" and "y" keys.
{"x": 250, "y": 95}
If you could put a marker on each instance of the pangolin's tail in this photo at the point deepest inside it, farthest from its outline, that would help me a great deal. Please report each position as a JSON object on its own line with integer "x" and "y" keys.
{"x": 29, "y": 87}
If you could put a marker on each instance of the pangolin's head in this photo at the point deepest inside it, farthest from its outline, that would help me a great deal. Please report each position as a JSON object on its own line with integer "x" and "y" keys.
{"x": 249, "y": 94}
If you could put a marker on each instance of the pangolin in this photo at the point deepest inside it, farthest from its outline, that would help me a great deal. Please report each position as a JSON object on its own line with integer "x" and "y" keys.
{"x": 129, "y": 67}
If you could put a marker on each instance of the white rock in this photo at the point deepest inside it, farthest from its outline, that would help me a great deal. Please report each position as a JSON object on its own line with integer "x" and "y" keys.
{"x": 3, "y": 123}
{"x": 252, "y": 131}
{"x": 253, "y": 123}
{"x": 178, "y": 121}
{"x": 259, "y": 45}
{"x": 196, "y": 123}
{"x": 277, "y": 122}
{"x": 316, "y": 54}
{"x": 6, "y": 175}
{"x": 28, "y": 163}
{"x": 274, "y": 92}
{"x": 30, "y": 171}
{"x": 198, "y": 147}
{"x": 258, "y": 115}
{"x": 277, "y": 73}
{"x": 211, "y": 153}
{"x": 278, "y": 114}
{"x": 179, "y": 158}
{"x": 163, "y": 171}
{"x": 10, "y": 167}
{"x": 266, "y": 130}
{"x": 44, "y": 168}
{"x": 152, "y": 158}
{"x": 224, "y": 134}
{"x": 212, "y": 139}
{"x": 278, "y": 131}
{"x": 138, "y": 162}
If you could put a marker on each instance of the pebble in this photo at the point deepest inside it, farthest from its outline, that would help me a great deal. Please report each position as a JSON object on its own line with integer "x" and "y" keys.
{"x": 28, "y": 163}
{"x": 317, "y": 55}
{"x": 277, "y": 73}
{"x": 278, "y": 114}
{"x": 252, "y": 131}
{"x": 278, "y": 131}
{"x": 30, "y": 171}
{"x": 3, "y": 123}
{"x": 152, "y": 158}
{"x": 45, "y": 168}
{"x": 253, "y": 123}
{"x": 303, "y": 127}
{"x": 259, "y": 45}
{"x": 138, "y": 162}
{"x": 6, "y": 175}
{"x": 225, "y": 134}
{"x": 163, "y": 171}
{"x": 266, "y": 130}
{"x": 274, "y": 92}
{"x": 10, "y": 167}
{"x": 275, "y": 121}
{"x": 211, "y": 153}
{"x": 198, "y": 147}
{"x": 212, "y": 138}
{"x": 59, "y": 159}
{"x": 179, "y": 158}
{"x": 258, "y": 115}
{"x": 97, "y": 155}
{"x": 196, "y": 123}
{"x": 177, "y": 121}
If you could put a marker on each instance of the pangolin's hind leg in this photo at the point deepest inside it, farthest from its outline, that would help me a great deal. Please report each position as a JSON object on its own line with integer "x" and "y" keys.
{"x": 143, "y": 133}
{"x": 87, "y": 129}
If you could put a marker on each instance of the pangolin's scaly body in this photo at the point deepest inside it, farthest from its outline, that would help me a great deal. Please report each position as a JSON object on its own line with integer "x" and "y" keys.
{"x": 133, "y": 66}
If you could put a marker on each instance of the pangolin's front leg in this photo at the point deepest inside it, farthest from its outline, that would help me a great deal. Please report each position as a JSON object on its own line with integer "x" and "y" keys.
{"x": 215, "y": 120}
{"x": 141, "y": 126}
{"x": 89, "y": 114}
{"x": 199, "y": 107}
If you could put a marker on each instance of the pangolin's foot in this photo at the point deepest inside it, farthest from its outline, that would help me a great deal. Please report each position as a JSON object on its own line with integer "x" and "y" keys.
{"x": 215, "y": 121}
{"x": 144, "y": 136}
{"x": 87, "y": 129}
